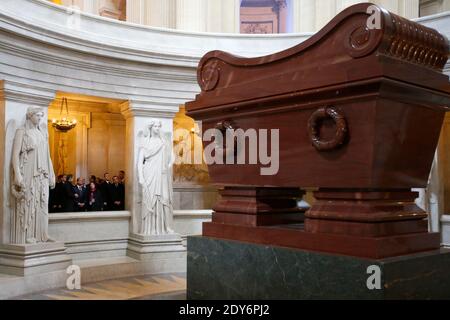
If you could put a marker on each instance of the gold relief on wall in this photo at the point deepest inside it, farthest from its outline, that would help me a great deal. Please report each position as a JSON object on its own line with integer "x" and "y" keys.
{"x": 63, "y": 157}
{"x": 257, "y": 28}
{"x": 263, "y": 16}
{"x": 190, "y": 166}
{"x": 63, "y": 148}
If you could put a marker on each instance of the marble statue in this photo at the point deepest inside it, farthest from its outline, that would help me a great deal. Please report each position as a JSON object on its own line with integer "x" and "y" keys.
{"x": 33, "y": 175}
{"x": 155, "y": 162}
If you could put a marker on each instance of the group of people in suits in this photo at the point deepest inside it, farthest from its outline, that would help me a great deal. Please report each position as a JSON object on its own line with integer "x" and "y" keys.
{"x": 98, "y": 195}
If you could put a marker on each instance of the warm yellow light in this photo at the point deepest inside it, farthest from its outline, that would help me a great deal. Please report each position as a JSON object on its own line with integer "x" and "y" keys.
{"x": 64, "y": 124}
{"x": 57, "y": 2}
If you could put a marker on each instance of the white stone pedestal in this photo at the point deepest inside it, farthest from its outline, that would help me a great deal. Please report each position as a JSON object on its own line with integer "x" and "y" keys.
{"x": 445, "y": 223}
{"x": 149, "y": 247}
{"x": 31, "y": 259}
{"x": 161, "y": 254}
{"x": 194, "y": 197}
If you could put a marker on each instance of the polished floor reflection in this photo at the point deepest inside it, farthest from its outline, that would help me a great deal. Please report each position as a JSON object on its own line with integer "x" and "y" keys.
{"x": 158, "y": 287}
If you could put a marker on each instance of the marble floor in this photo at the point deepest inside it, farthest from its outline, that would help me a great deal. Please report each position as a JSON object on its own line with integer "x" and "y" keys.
{"x": 156, "y": 287}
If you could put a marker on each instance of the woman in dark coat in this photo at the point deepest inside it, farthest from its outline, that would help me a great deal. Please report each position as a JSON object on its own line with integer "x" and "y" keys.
{"x": 94, "y": 198}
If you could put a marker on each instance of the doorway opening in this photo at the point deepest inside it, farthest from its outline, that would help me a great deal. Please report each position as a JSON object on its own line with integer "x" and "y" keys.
{"x": 89, "y": 157}
{"x": 266, "y": 16}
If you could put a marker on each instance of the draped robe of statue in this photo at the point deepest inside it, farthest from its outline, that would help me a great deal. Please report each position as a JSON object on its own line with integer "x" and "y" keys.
{"x": 30, "y": 212}
{"x": 155, "y": 171}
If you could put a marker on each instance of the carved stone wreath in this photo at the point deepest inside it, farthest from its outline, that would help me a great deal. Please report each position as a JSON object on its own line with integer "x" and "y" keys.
{"x": 316, "y": 120}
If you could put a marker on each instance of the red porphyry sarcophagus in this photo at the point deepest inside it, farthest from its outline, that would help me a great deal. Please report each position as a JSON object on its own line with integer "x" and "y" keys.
{"x": 359, "y": 109}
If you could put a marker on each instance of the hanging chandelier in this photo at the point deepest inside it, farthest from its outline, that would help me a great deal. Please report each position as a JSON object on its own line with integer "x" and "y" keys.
{"x": 64, "y": 124}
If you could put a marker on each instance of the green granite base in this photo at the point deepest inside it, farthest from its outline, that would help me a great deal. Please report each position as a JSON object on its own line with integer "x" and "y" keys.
{"x": 223, "y": 270}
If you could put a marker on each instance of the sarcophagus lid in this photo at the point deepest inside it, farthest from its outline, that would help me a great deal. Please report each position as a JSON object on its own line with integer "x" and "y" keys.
{"x": 358, "y": 105}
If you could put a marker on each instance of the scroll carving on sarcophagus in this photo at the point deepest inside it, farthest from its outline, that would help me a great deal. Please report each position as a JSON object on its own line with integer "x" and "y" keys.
{"x": 357, "y": 110}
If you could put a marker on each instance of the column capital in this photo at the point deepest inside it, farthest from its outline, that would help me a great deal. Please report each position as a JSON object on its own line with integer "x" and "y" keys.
{"x": 25, "y": 93}
{"x": 133, "y": 108}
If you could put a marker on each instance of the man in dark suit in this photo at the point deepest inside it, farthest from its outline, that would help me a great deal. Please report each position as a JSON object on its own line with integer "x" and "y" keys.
{"x": 53, "y": 197}
{"x": 117, "y": 195}
{"x": 56, "y": 198}
{"x": 122, "y": 177}
{"x": 104, "y": 190}
{"x": 80, "y": 193}
{"x": 68, "y": 195}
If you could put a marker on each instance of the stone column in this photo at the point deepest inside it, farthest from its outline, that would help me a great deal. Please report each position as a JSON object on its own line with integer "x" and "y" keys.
{"x": 160, "y": 13}
{"x": 304, "y": 15}
{"x": 162, "y": 249}
{"x": 325, "y": 11}
{"x": 433, "y": 7}
{"x": 390, "y": 5}
{"x": 435, "y": 193}
{"x": 409, "y": 8}
{"x": 311, "y": 15}
{"x": 405, "y": 8}
{"x": 438, "y": 187}
{"x": 77, "y": 4}
{"x": 191, "y": 15}
{"x": 343, "y": 4}
{"x": 223, "y": 16}
{"x": 91, "y": 6}
{"x": 136, "y": 11}
{"x": 26, "y": 259}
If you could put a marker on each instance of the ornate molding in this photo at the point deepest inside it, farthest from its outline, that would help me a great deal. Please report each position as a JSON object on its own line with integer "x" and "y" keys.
{"x": 89, "y": 216}
{"x": 27, "y": 94}
{"x": 105, "y": 37}
{"x": 347, "y": 34}
{"x": 132, "y": 109}
{"x": 209, "y": 75}
{"x": 362, "y": 41}
{"x": 418, "y": 44}
{"x": 314, "y": 123}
